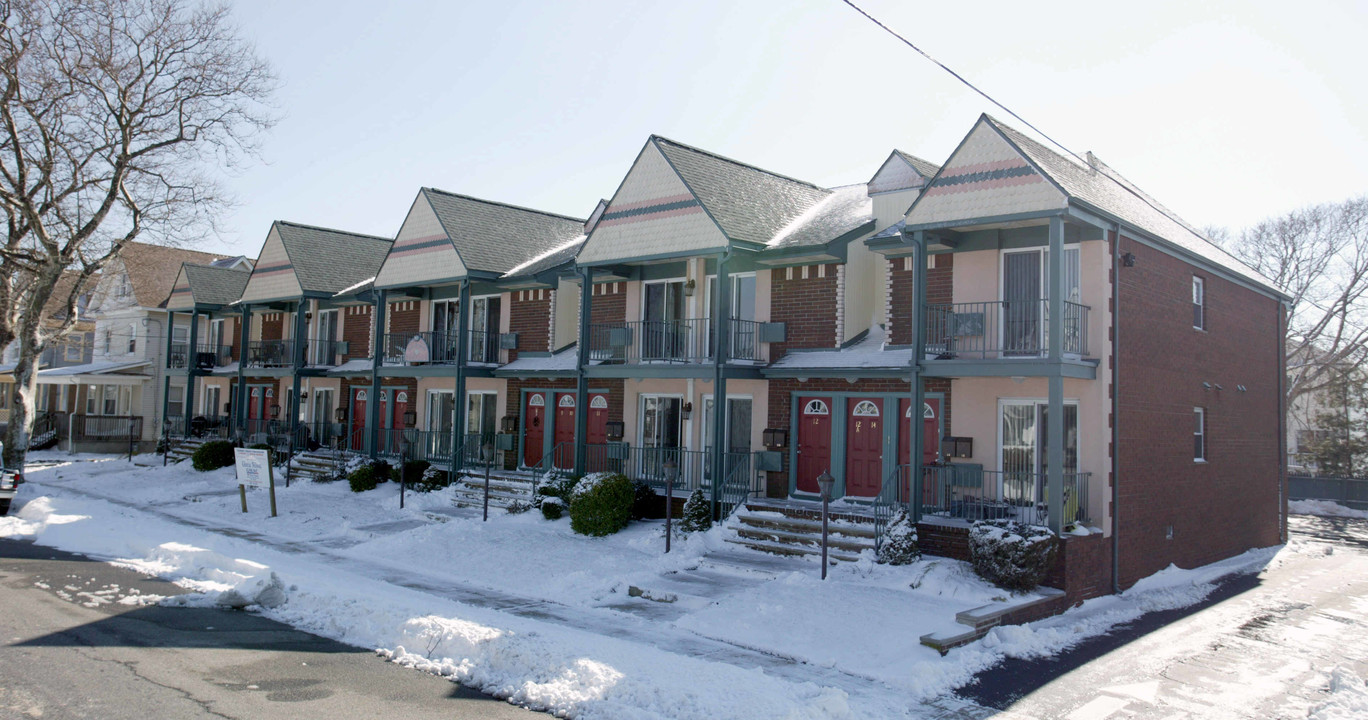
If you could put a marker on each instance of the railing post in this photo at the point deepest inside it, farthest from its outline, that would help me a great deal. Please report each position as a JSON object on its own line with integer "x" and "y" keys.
{"x": 1054, "y": 451}
{"x": 371, "y": 423}
{"x": 918, "y": 355}
{"x": 190, "y": 367}
{"x": 721, "y": 353}
{"x": 582, "y": 380}
{"x": 458, "y": 427}
{"x": 240, "y": 402}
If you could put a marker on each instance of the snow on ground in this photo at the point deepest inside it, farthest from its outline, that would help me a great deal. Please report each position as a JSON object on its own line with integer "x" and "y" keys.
{"x": 523, "y": 608}
{"x": 1324, "y": 508}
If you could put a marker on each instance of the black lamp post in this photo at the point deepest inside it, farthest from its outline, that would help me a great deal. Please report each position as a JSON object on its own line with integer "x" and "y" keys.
{"x": 487, "y": 452}
{"x": 671, "y": 470}
{"x": 824, "y": 483}
{"x": 410, "y": 419}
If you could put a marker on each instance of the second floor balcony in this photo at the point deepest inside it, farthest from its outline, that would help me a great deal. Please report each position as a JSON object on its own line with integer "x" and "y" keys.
{"x": 442, "y": 348}
{"x": 673, "y": 341}
{"x": 205, "y": 356}
{"x": 1004, "y": 329}
{"x": 281, "y": 353}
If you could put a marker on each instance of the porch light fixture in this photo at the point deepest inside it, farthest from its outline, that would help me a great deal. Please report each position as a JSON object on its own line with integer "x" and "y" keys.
{"x": 1128, "y": 260}
{"x": 304, "y": 396}
{"x": 340, "y": 414}
{"x": 687, "y": 410}
{"x": 824, "y": 483}
{"x": 671, "y": 472}
{"x": 689, "y": 288}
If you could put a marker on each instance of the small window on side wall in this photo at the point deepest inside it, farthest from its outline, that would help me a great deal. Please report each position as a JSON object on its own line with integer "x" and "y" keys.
{"x": 1199, "y": 435}
{"x": 1198, "y": 303}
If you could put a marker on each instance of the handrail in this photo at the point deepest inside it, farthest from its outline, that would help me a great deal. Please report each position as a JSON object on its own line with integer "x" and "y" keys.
{"x": 671, "y": 341}
{"x": 1002, "y": 329}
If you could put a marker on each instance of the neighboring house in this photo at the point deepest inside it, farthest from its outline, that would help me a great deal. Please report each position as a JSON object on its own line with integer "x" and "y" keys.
{"x": 72, "y": 347}
{"x": 119, "y": 390}
{"x": 1077, "y": 355}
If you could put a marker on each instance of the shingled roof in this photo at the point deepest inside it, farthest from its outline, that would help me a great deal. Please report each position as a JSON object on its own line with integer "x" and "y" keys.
{"x": 1105, "y": 189}
{"x": 152, "y": 269}
{"x": 750, "y": 204}
{"x": 497, "y": 237}
{"x": 327, "y": 260}
{"x": 216, "y": 285}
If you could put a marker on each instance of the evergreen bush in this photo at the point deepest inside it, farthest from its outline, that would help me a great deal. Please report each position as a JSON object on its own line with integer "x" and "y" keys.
{"x": 601, "y": 504}
{"x": 1012, "y": 555}
{"x": 213, "y": 455}
{"x": 552, "y": 508}
{"x": 647, "y": 504}
{"x": 697, "y": 515}
{"x": 433, "y": 479}
{"x": 412, "y": 471}
{"x": 899, "y": 545}
{"x": 368, "y": 476}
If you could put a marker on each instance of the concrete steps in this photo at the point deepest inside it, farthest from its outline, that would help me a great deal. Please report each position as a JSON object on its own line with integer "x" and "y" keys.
{"x": 978, "y": 621}
{"x": 182, "y": 449}
{"x": 793, "y": 531}
{"x": 505, "y": 488}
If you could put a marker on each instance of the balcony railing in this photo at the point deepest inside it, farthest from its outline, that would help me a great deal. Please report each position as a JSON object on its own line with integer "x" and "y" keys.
{"x": 1003, "y": 329}
{"x": 969, "y": 493}
{"x": 670, "y": 341}
{"x": 206, "y": 356}
{"x": 281, "y": 353}
{"x": 439, "y": 348}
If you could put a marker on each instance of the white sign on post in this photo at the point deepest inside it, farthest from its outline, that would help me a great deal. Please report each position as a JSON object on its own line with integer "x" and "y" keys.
{"x": 253, "y": 467}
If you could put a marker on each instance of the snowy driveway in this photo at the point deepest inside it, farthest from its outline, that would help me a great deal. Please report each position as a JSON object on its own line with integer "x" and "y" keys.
{"x": 1291, "y": 642}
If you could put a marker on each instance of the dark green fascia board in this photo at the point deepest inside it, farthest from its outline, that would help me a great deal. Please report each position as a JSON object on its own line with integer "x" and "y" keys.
{"x": 410, "y": 287}
{"x": 691, "y": 370}
{"x": 836, "y": 372}
{"x": 1131, "y": 230}
{"x": 663, "y": 271}
{"x": 681, "y": 255}
{"x": 534, "y": 373}
{"x": 349, "y": 373}
{"x": 479, "y": 371}
{"x": 1081, "y": 369}
{"x": 280, "y": 303}
{"x": 418, "y": 371}
{"x": 988, "y": 220}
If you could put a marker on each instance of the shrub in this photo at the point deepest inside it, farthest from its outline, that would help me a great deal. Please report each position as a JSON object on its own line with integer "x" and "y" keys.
{"x": 899, "y": 545}
{"x": 213, "y": 455}
{"x": 260, "y": 446}
{"x": 433, "y": 479}
{"x": 697, "y": 513}
{"x": 368, "y": 476}
{"x": 562, "y": 488}
{"x": 646, "y": 503}
{"x": 1012, "y": 555}
{"x": 553, "y": 508}
{"x": 518, "y": 507}
{"x": 601, "y": 504}
{"x": 412, "y": 471}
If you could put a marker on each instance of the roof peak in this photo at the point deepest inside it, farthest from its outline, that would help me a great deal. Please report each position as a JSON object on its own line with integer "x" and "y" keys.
{"x": 724, "y": 158}
{"x": 501, "y": 204}
{"x": 333, "y": 230}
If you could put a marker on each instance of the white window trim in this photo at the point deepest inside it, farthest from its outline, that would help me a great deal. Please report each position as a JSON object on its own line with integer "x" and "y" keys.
{"x": 708, "y": 292}
{"x": 1044, "y": 284}
{"x": 1033, "y": 401}
{"x": 641, "y": 413}
{"x": 641, "y": 312}
{"x": 703, "y": 417}
{"x": 1199, "y": 290}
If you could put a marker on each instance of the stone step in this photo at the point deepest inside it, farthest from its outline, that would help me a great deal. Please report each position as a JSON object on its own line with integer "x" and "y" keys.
{"x": 791, "y": 524}
{"x": 791, "y": 550}
{"x": 807, "y": 540}
{"x": 843, "y": 514}
{"x": 979, "y": 621}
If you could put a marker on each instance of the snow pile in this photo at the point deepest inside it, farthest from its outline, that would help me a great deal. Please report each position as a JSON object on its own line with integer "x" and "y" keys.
{"x": 1349, "y": 697}
{"x": 33, "y": 518}
{"x": 1324, "y": 508}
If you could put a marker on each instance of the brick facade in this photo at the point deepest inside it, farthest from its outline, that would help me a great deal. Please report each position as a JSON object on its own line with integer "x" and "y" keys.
{"x": 273, "y": 326}
{"x": 609, "y": 304}
{"x": 807, "y": 305}
{"x": 528, "y": 314}
{"x": 356, "y": 330}
{"x": 403, "y": 317}
{"x": 1172, "y": 509}
{"x": 939, "y": 291}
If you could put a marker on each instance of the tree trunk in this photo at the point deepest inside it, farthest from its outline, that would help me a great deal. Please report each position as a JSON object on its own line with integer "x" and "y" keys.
{"x": 22, "y": 404}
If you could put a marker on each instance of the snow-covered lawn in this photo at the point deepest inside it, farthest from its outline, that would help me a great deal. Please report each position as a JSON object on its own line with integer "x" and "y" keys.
{"x": 525, "y": 609}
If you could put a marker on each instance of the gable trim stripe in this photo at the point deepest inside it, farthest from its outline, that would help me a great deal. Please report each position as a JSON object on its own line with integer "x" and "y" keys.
{"x": 985, "y": 176}
{"x": 651, "y": 210}
{"x": 420, "y": 245}
{"x": 274, "y": 269}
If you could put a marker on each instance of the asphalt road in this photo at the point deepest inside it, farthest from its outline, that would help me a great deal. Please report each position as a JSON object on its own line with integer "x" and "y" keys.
{"x": 76, "y": 643}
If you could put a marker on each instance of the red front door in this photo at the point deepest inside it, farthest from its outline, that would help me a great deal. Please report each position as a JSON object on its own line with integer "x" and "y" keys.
{"x": 930, "y": 431}
{"x": 814, "y": 441}
{"x": 864, "y": 449}
{"x": 534, "y": 428}
{"x": 598, "y": 432}
{"x": 357, "y": 441}
{"x": 565, "y": 430}
{"x": 254, "y": 403}
{"x": 399, "y": 407}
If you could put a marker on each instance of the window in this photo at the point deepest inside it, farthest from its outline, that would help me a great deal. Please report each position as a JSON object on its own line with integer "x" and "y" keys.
{"x": 1198, "y": 302}
{"x": 212, "y": 408}
{"x": 484, "y": 329}
{"x": 92, "y": 397}
{"x": 110, "y": 395}
{"x": 132, "y": 338}
{"x": 6, "y": 389}
{"x": 108, "y": 341}
{"x": 175, "y": 402}
{"x": 1199, "y": 435}
{"x": 480, "y": 415}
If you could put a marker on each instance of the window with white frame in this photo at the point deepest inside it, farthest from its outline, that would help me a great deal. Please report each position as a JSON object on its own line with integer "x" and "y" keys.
{"x": 1198, "y": 303}
{"x": 1199, "y": 435}
{"x": 132, "y": 338}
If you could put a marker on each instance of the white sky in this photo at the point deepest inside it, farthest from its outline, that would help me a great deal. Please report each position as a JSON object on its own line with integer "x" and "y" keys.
{"x": 1227, "y": 112}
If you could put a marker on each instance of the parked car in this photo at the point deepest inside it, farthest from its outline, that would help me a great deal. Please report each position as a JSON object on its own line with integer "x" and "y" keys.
{"x": 9, "y": 483}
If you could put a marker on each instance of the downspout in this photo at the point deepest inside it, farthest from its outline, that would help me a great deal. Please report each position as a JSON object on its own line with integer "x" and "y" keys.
{"x": 1116, "y": 416}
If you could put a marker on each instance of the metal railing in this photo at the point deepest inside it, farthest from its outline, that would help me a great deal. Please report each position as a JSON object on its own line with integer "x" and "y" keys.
{"x": 281, "y": 353}
{"x": 106, "y": 428}
{"x": 47, "y": 428}
{"x": 670, "y": 341}
{"x": 484, "y": 347}
{"x": 969, "y": 493}
{"x": 420, "y": 348}
{"x": 204, "y": 356}
{"x": 1003, "y": 329}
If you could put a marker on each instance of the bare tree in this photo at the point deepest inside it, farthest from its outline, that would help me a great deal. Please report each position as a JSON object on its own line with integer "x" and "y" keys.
{"x": 115, "y": 117}
{"x": 1319, "y": 256}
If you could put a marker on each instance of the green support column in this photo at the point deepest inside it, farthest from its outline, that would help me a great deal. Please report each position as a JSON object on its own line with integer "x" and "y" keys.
{"x": 918, "y": 388}
{"x": 240, "y": 402}
{"x": 1054, "y": 450}
{"x": 458, "y": 423}
{"x": 300, "y": 349}
{"x": 721, "y": 333}
{"x": 372, "y": 419}
{"x": 166, "y": 374}
{"x": 581, "y": 380}
{"x": 190, "y": 368}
